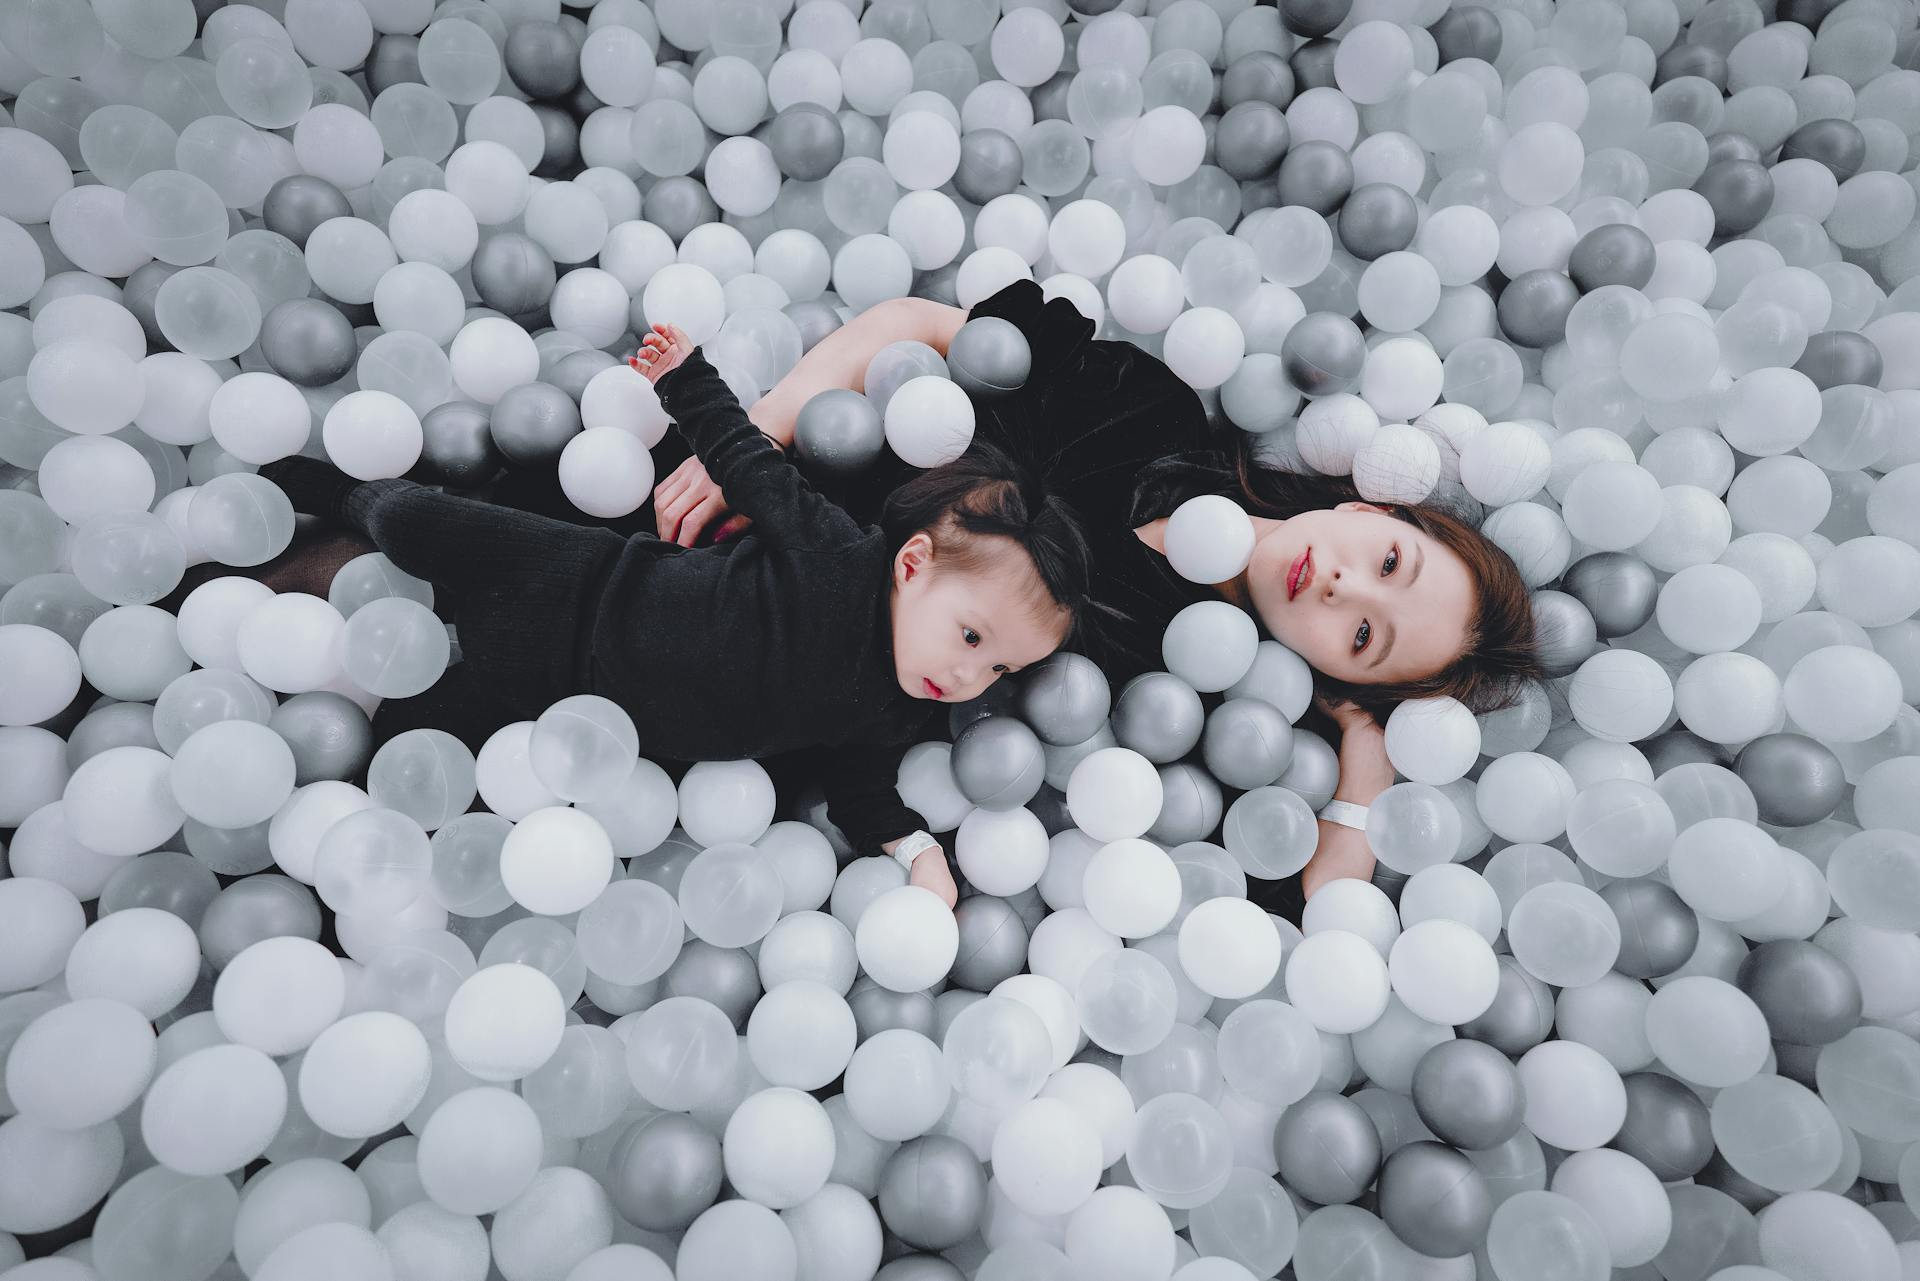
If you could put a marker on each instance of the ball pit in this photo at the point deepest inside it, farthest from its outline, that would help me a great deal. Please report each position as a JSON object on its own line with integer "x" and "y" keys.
{"x": 1636, "y": 988}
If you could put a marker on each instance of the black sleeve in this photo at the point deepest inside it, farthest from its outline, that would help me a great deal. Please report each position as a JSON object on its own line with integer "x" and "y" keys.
{"x": 1091, "y": 414}
{"x": 863, "y": 799}
{"x": 750, "y": 469}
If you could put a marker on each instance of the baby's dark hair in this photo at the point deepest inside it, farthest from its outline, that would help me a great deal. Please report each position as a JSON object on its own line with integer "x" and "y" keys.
{"x": 986, "y": 495}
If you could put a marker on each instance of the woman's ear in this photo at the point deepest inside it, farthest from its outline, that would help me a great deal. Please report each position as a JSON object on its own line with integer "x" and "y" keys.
{"x": 913, "y": 560}
{"x": 1356, "y": 505}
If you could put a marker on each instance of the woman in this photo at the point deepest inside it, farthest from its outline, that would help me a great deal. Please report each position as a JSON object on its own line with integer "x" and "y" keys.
{"x": 1384, "y": 603}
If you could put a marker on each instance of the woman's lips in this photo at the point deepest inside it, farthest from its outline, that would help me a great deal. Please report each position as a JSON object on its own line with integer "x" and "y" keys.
{"x": 1301, "y": 574}
{"x": 932, "y": 689}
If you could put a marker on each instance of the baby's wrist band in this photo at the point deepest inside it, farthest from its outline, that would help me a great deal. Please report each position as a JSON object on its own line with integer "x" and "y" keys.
{"x": 912, "y": 847}
{"x": 1346, "y": 814}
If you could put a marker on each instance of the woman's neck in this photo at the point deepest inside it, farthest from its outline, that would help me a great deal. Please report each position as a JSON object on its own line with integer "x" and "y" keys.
{"x": 1154, "y": 535}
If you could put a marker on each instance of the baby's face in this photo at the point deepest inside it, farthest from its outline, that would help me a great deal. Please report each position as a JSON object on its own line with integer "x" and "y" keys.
{"x": 956, "y": 633}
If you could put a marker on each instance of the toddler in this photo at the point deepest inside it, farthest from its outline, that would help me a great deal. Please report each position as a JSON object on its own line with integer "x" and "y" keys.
{"x": 808, "y": 631}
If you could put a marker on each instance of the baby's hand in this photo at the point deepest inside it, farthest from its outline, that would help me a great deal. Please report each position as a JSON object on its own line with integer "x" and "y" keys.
{"x": 930, "y": 872}
{"x": 667, "y": 347}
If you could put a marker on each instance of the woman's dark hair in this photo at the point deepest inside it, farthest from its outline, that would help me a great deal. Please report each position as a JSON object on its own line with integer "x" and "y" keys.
{"x": 1500, "y": 659}
{"x": 974, "y": 507}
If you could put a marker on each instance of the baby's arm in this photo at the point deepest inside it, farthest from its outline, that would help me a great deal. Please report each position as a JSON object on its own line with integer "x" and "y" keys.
{"x": 758, "y": 480}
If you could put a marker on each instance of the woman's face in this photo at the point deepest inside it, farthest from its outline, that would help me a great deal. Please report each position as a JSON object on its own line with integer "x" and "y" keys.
{"x": 1362, "y": 596}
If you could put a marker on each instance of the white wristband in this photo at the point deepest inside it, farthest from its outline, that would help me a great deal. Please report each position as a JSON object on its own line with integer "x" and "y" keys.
{"x": 911, "y": 847}
{"x": 1346, "y": 814}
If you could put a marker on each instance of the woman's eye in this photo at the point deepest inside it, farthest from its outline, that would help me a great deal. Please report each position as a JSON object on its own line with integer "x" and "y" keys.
{"x": 1362, "y": 636}
{"x": 1391, "y": 563}
{"x": 972, "y": 637}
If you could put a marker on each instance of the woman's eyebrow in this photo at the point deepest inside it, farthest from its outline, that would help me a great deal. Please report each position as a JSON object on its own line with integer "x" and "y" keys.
{"x": 1420, "y": 558}
{"x": 1386, "y": 646}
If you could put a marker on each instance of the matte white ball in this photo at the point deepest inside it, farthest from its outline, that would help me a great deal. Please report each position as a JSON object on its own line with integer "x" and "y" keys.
{"x": 1209, "y": 539}
{"x": 929, "y": 421}
{"x": 1230, "y": 949}
{"x": 1132, "y": 888}
{"x": 556, "y": 861}
{"x": 907, "y": 939}
{"x": 1444, "y": 972}
{"x": 1114, "y": 793}
{"x": 606, "y": 472}
{"x": 1338, "y": 980}
{"x": 1433, "y": 740}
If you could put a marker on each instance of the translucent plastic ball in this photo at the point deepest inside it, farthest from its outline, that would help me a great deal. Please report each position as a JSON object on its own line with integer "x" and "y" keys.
{"x": 1564, "y": 934}
{"x": 1204, "y": 344}
{"x": 232, "y": 774}
{"x": 907, "y": 939}
{"x": 1506, "y": 462}
{"x": 1402, "y": 378}
{"x": 504, "y": 1021}
{"x": 207, "y": 313}
{"x": 395, "y": 647}
{"x": 556, "y": 861}
{"x": 998, "y": 1052}
{"x": 1413, "y": 826}
{"x": 85, "y": 476}
{"x": 372, "y": 434}
{"x": 1842, "y": 694}
{"x": 1046, "y": 1157}
{"x": 1433, "y": 740}
{"x": 80, "y": 1063}
{"x": 1707, "y": 1031}
{"x": 1444, "y": 972}
{"x": 1114, "y": 794}
{"x": 1621, "y": 827}
{"x": 896, "y": 1085}
{"x": 1127, "y": 1001}
{"x": 1621, "y": 695}
{"x": 214, "y": 1109}
{"x": 364, "y": 1074}
{"x": 682, "y": 1054}
{"x": 1229, "y": 948}
{"x": 374, "y": 862}
{"x": 730, "y": 895}
{"x": 1575, "y": 1098}
{"x": 1209, "y": 539}
{"x": 1727, "y": 869}
{"x": 584, "y": 748}
{"x": 1535, "y": 1233}
{"x": 120, "y": 802}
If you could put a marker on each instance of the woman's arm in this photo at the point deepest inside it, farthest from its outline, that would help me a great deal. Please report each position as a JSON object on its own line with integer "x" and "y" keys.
{"x": 689, "y": 500}
{"x": 1365, "y": 772}
{"x": 841, "y": 358}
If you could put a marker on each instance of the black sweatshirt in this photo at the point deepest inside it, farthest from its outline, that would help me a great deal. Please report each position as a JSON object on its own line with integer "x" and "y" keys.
{"x": 779, "y": 640}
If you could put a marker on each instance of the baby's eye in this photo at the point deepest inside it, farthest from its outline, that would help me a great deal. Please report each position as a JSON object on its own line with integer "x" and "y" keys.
{"x": 1391, "y": 563}
{"x": 1001, "y": 668}
{"x": 972, "y": 637}
{"x": 1362, "y": 636}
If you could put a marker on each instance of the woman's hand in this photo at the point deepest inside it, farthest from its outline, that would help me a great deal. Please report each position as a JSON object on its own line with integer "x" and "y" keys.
{"x": 1350, "y": 717}
{"x": 688, "y": 501}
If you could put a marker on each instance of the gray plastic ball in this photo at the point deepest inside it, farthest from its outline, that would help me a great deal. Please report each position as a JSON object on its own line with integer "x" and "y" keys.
{"x": 1678, "y": 747}
{"x": 1065, "y": 699}
{"x": 998, "y": 763}
{"x": 877, "y": 1009}
{"x": 1564, "y": 632}
{"x": 807, "y": 141}
{"x": 919, "y": 1267}
{"x": 1533, "y": 307}
{"x": 1658, "y": 931}
{"x": 137, "y": 295}
{"x": 1617, "y": 253}
{"x": 1796, "y": 780}
{"x": 298, "y": 203}
{"x": 1836, "y": 357}
{"x": 1723, "y": 1178}
{"x": 993, "y": 942}
{"x": 1315, "y": 173}
{"x": 989, "y": 357}
{"x": 1435, "y": 1199}
{"x": 1159, "y": 716}
{"x": 513, "y": 274}
{"x": 330, "y": 735}
{"x": 815, "y": 320}
{"x": 1681, "y": 61}
{"x": 1251, "y": 139}
{"x": 1741, "y": 193}
{"x": 678, "y": 205}
{"x": 308, "y": 341}
{"x": 1617, "y": 588}
{"x": 1468, "y": 31}
{"x": 1666, "y": 1128}
{"x": 1837, "y": 144}
{"x": 395, "y": 60}
{"x": 839, "y": 432}
{"x": 1258, "y": 76}
{"x": 1730, "y": 144}
{"x": 1050, "y": 99}
{"x": 933, "y": 1192}
{"x": 1313, "y": 17}
{"x": 1379, "y": 218}
{"x": 560, "y": 149}
{"x": 1808, "y": 995}
{"x": 1191, "y": 803}
{"x": 1327, "y": 1148}
{"x": 1247, "y": 743}
{"x": 573, "y": 371}
{"x": 532, "y": 423}
{"x": 941, "y": 285}
{"x": 998, "y": 700}
{"x": 897, "y": 364}
{"x": 725, "y": 976}
{"x": 1521, "y": 1015}
{"x": 542, "y": 58}
{"x": 1469, "y": 1094}
{"x": 990, "y": 165}
{"x": 1322, "y": 353}
{"x": 457, "y": 447}
{"x": 664, "y": 1172}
